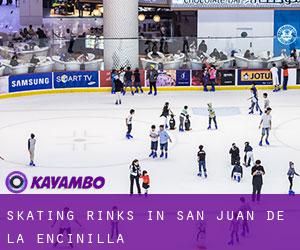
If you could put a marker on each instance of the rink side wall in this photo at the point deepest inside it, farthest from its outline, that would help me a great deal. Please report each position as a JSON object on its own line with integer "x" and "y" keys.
{"x": 169, "y": 80}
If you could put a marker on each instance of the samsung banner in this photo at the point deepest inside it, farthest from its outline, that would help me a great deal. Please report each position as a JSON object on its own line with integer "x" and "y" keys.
{"x": 195, "y": 4}
{"x": 286, "y": 30}
{"x": 29, "y": 82}
{"x": 80, "y": 79}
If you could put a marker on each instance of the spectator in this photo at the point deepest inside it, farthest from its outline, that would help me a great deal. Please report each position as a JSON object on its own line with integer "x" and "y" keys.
{"x": 202, "y": 47}
{"x": 285, "y": 76}
{"x": 14, "y": 62}
{"x": 247, "y": 54}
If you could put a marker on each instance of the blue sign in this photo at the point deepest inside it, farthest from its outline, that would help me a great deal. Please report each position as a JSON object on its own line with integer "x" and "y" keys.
{"x": 78, "y": 79}
{"x": 28, "y": 82}
{"x": 183, "y": 77}
{"x": 286, "y": 30}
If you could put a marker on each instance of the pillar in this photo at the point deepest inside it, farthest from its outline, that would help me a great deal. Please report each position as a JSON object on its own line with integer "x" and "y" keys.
{"x": 31, "y": 12}
{"x": 121, "y": 45}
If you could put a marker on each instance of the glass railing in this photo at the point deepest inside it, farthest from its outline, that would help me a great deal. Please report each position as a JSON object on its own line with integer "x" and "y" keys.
{"x": 19, "y": 56}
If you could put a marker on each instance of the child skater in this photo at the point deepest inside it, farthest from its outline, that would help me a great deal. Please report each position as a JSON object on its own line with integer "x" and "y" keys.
{"x": 118, "y": 89}
{"x": 137, "y": 81}
{"x": 254, "y": 101}
{"x": 146, "y": 182}
{"x": 187, "y": 123}
{"x": 172, "y": 122}
{"x": 154, "y": 141}
{"x": 237, "y": 172}
{"x": 31, "y": 149}
{"x": 128, "y": 80}
{"x": 212, "y": 116}
{"x": 249, "y": 158}
{"x": 202, "y": 161}
{"x": 235, "y": 154}
{"x": 234, "y": 230}
{"x": 266, "y": 125}
{"x": 291, "y": 173}
{"x": 129, "y": 124}
{"x": 164, "y": 139}
{"x": 182, "y": 117}
{"x": 166, "y": 113}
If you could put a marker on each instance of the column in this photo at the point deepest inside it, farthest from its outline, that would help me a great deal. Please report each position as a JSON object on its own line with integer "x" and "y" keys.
{"x": 121, "y": 45}
{"x": 31, "y": 12}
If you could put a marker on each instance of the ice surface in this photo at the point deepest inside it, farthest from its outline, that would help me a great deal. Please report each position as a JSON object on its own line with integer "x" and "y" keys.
{"x": 84, "y": 134}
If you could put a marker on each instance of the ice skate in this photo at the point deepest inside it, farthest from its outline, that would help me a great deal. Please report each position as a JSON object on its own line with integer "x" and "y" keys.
{"x": 161, "y": 155}
{"x": 166, "y": 156}
{"x": 209, "y": 127}
{"x": 150, "y": 93}
{"x": 260, "y": 143}
{"x": 155, "y": 93}
{"x": 267, "y": 142}
{"x": 152, "y": 153}
{"x": 199, "y": 174}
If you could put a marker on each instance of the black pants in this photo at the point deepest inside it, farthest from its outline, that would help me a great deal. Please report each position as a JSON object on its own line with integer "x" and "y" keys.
{"x": 256, "y": 192}
{"x": 135, "y": 179}
{"x": 245, "y": 228}
{"x": 214, "y": 119}
{"x": 129, "y": 128}
{"x": 114, "y": 229}
{"x": 153, "y": 85}
{"x": 291, "y": 182}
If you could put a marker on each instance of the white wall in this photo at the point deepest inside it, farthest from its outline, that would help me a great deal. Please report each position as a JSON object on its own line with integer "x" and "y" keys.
{"x": 231, "y": 23}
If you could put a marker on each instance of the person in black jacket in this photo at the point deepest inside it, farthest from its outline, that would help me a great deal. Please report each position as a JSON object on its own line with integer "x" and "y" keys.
{"x": 257, "y": 180}
{"x": 152, "y": 75}
{"x": 237, "y": 172}
{"x": 128, "y": 80}
{"x": 202, "y": 161}
{"x": 137, "y": 81}
{"x": 235, "y": 154}
{"x": 135, "y": 173}
{"x": 118, "y": 89}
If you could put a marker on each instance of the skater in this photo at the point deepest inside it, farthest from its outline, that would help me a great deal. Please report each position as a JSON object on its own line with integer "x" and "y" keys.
{"x": 205, "y": 78}
{"x": 245, "y": 208}
{"x": 249, "y": 158}
{"x": 266, "y": 101}
{"x": 266, "y": 125}
{"x": 129, "y": 124}
{"x": 257, "y": 181}
{"x": 135, "y": 173}
{"x": 122, "y": 77}
{"x": 275, "y": 78}
{"x": 211, "y": 116}
{"x": 114, "y": 224}
{"x": 166, "y": 112}
{"x": 234, "y": 230}
{"x": 172, "y": 122}
{"x": 285, "y": 77}
{"x": 202, "y": 161}
{"x": 235, "y": 154}
{"x": 182, "y": 118}
{"x": 146, "y": 182}
{"x": 254, "y": 101}
{"x": 31, "y": 149}
{"x": 152, "y": 75}
{"x": 291, "y": 173}
{"x": 212, "y": 77}
{"x": 137, "y": 81}
{"x": 154, "y": 141}
{"x": 164, "y": 138}
{"x": 118, "y": 89}
{"x": 237, "y": 172}
{"x": 113, "y": 77}
{"x": 128, "y": 80}
{"x": 187, "y": 123}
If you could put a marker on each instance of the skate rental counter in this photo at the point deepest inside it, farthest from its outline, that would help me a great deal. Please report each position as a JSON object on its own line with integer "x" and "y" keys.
{"x": 168, "y": 80}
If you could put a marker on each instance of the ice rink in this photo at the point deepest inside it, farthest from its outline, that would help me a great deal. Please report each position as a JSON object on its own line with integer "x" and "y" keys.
{"x": 84, "y": 134}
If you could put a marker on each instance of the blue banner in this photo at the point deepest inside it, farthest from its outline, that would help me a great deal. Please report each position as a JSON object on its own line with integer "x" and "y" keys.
{"x": 286, "y": 30}
{"x": 80, "y": 79}
{"x": 28, "y": 82}
{"x": 257, "y": 76}
{"x": 183, "y": 77}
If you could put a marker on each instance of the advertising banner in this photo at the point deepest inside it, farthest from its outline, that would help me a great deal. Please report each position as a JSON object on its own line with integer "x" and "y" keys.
{"x": 298, "y": 76}
{"x": 197, "y": 77}
{"x": 183, "y": 77}
{"x": 250, "y": 4}
{"x": 166, "y": 78}
{"x": 259, "y": 77}
{"x": 172, "y": 222}
{"x": 29, "y": 82}
{"x": 226, "y": 77}
{"x": 78, "y": 79}
{"x": 286, "y": 30}
{"x": 105, "y": 78}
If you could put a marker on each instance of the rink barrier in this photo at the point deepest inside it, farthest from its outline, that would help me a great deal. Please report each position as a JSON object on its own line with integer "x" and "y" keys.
{"x": 99, "y": 81}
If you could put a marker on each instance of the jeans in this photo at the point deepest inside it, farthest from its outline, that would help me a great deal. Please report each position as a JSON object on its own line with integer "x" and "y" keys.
{"x": 129, "y": 128}
{"x": 202, "y": 165}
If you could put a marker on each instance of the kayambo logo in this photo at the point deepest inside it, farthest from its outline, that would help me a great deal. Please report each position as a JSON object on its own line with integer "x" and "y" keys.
{"x": 17, "y": 182}
{"x": 287, "y": 34}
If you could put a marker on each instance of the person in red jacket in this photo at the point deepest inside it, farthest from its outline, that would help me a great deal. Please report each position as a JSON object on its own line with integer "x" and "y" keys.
{"x": 146, "y": 181}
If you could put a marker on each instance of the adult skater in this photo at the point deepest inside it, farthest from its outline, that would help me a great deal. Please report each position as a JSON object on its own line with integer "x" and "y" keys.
{"x": 135, "y": 173}
{"x": 254, "y": 101}
{"x": 146, "y": 181}
{"x": 202, "y": 161}
{"x": 182, "y": 117}
{"x": 235, "y": 154}
{"x": 249, "y": 158}
{"x": 245, "y": 208}
{"x": 152, "y": 75}
{"x": 114, "y": 224}
{"x": 166, "y": 112}
{"x": 237, "y": 172}
{"x": 257, "y": 172}
{"x": 118, "y": 89}
{"x": 129, "y": 124}
{"x": 234, "y": 230}
{"x": 275, "y": 78}
{"x": 212, "y": 77}
{"x": 291, "y": 173}
{"x": 122, "y": 76}
{"x": 266, "y": 101}
{"x": 128, "y": 80}
{"x": 31, "y": 149}
{"x": 211, "y": 116}
{"x": 164, "y": 139}
{"x": 154, "y": 141}
{"x": 266, "y": 125}
{"x": 113, "y": 75}
{"x": 137, "y": 81}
